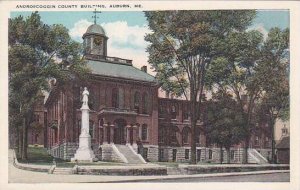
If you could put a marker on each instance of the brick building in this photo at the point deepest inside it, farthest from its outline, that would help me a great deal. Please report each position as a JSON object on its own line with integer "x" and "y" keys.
{"x": 126, "y": 112}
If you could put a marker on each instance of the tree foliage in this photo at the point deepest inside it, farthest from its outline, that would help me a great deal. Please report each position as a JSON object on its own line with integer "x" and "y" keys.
{"x": 182, "y": 47}
{"x": 37, "y": 53}
{"x": 225, "y": 124}
{"x": 273, "y": 72}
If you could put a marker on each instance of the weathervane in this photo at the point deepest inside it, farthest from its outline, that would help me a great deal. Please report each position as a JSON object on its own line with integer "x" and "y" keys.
{"x": 95, "y": 17}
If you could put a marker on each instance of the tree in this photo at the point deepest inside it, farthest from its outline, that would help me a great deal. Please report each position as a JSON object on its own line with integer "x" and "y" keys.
{"x": 37, "y": 52}
{"x": 182, "y": 46}
{"x": 234, "y": 71}
{"x": 273, "y": 71}
{"x": 225, "y": 122}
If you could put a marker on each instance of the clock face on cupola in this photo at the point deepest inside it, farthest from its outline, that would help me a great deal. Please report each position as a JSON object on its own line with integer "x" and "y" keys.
{"x": 95, "y": 41}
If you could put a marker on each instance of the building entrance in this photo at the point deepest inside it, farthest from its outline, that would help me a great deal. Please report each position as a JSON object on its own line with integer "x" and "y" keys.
{"x": 119, "y": 132}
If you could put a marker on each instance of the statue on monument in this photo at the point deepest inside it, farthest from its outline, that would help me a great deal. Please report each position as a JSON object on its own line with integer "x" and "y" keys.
{"x": 85, "y": 95}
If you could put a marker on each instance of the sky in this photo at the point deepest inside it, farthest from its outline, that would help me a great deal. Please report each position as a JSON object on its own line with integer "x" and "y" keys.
{"x": 126, "y": 30}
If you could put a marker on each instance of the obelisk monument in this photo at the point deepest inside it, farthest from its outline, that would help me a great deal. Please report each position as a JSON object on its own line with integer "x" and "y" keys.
{"x": 84, "y": 153}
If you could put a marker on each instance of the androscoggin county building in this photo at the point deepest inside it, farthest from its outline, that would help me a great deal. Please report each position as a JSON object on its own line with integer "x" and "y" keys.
{"x": 128, "y": 119}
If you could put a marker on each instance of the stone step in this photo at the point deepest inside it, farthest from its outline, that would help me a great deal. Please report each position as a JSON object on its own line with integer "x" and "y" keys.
{"x": 129, "y": 155}
{"x": 173, "y": 171}
{"x": 62, "y": 171}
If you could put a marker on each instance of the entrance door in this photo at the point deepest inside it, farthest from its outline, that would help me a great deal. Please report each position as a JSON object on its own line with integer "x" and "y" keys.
{"x": 119, "y": 132}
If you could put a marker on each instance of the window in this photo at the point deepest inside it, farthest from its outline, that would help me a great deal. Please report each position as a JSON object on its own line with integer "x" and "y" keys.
{"x": 174, "y": 155}
{"x": 187, "y": 154}
{"x": 210, "y": 154}
{"x": 267, "y": 141}
{"x": 186, "y": 112}
{"x": 161, "y": 135}
{"x": 231, "y": 154}
{"x": 185, "y": 135}
{"x": 36, "y": 118}
{"x": 144, "y": 132}
{"x": 137, "y": 101}
{"x": 161, "y": 154}
{"x": 173, "y": 111}
{"x": 162, "y": 110}
{"x": 121, "y": 98}
{"x": 173, "y": 136}
{"x": 115, "y": 98}
{"x": 256, "y": 142}
{"x": 198, "y": 155}
{"x": 145, "y": 103}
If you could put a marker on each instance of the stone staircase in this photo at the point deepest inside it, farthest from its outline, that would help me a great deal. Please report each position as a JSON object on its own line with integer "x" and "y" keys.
{"x": 256, "y": 156}
{"x": 131, "y": 156}
{"x": 62, "y": 171}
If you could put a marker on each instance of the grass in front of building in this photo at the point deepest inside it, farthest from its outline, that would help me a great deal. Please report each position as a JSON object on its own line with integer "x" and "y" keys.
{"x": 40, "y": 156}
{"x": 37, "y": 155}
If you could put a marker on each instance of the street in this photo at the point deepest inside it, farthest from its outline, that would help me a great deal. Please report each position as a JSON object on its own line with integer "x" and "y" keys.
{"x": 275, "y": 177}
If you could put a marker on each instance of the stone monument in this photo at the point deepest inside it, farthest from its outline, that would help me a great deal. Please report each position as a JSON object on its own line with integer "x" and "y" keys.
{"x": 84, "y": 153}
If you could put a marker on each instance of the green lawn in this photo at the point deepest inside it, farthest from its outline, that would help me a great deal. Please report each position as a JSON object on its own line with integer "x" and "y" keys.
{"x": 39, "y": 156}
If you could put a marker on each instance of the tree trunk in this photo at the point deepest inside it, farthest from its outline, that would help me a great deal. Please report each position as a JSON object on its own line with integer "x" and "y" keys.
{"x": 228, "y": 155}
{"x": 20, "y": 141}
{"x": 221, "y": 154}
{"x": 25, "y": 135}
{"x": 193, "y": 105}
{"x": 193, "y": 143}
{"x": 273, "y": 160}
{"x": 245, "y": 153}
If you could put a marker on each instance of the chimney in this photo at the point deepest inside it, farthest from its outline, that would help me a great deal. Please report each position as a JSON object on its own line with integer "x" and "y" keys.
{"x": 144, "y": 68}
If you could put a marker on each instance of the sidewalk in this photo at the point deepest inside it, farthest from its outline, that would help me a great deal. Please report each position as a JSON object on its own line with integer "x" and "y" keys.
{"x": 22, "y": 176}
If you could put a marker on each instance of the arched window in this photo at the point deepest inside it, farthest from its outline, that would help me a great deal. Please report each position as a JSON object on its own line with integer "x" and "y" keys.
{"x": 115, "y": 98}
{"x": 137, "y": 101}
{"x": 145, "y": 102}
{"x": 144, "y": 132}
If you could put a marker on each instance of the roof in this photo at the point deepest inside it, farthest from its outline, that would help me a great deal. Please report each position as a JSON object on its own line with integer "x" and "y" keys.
{"x": 118, "y": 70}
{"x": 95, "y": 29}
{"x": 284, "y": 143}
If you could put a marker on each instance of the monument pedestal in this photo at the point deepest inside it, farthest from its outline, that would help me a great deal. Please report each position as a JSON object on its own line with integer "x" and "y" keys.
{"x": 84, "y": 153}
